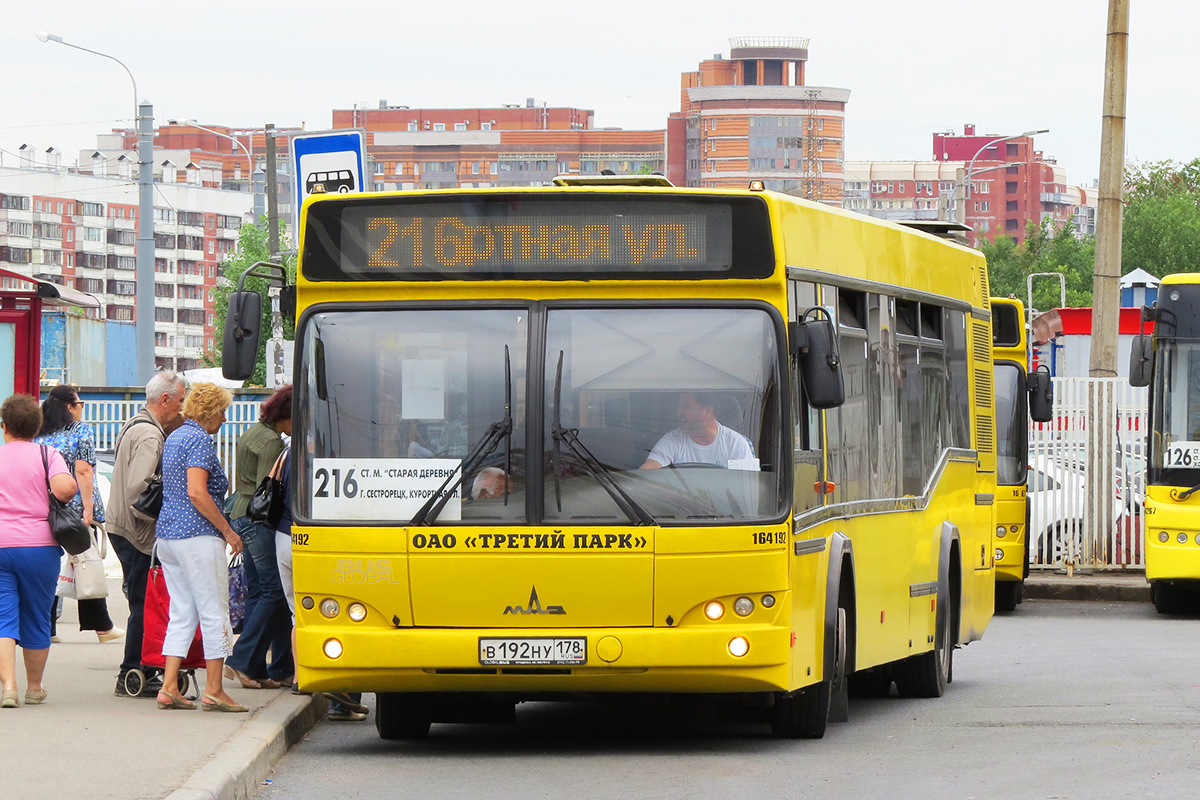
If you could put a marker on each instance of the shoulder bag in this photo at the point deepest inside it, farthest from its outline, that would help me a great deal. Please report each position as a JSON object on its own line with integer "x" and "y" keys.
{"x": 266, "y": 504}
{"x": 82, "y": 576}
{"x": 66, "y": 524}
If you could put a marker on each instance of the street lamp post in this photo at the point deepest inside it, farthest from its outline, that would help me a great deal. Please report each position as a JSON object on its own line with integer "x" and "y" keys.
{"x": 249, "y": 154}
{"x": 144, "y": 115}
{"x": 966, "y": 181}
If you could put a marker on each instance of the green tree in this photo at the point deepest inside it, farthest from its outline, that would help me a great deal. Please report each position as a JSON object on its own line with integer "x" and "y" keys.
{"x": 1161, "y": 218}
{"x": 1047, "y": 248}
{"x": 251, "y": 248}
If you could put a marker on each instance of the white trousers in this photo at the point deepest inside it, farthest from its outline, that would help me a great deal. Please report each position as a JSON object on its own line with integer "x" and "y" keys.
{"x": 283, "y": 557}
{"x": 197, "y": 576}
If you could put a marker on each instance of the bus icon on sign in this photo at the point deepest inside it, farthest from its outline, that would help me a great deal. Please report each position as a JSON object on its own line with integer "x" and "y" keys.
{"x": 341, "y": 181}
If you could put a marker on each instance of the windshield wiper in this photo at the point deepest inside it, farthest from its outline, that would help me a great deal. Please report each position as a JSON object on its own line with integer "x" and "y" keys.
{"x": 627, "y": 504}
{"x": 1188, "y": 493}
{"x": 501, "y": 429}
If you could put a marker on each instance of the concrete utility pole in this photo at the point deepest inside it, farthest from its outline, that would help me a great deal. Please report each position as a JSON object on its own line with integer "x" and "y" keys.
{"x": 272, "y": 196}
{"x": 1107, "y": 276}
{"x": 144, "y": 333}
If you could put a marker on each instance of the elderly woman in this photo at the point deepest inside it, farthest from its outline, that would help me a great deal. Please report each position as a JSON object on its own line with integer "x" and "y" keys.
{"x": 268, "y": 624}
{"x": 191, "y": 534}
{"x": 28, "y": 553}
{"x": 63, "y": 429}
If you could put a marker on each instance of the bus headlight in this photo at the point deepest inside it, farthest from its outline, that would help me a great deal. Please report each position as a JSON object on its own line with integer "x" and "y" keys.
{"x": 738, "y": 646}
{"x": 1163, "y": 536}
{"x": 714, "y": 610}
{"x": 330, "y": 608}
{"x": 743, "y": 606}
{"x": 1014, "y": 528}
{"x": 999, "y": 554}
{"x": 1001, "y": 531}
{"x": 768, "y": 600}
{"x": 357, "y": 612}
{"x": 308, "y": 602}
{"x": 1181, "y": 538}
{"x": 332, "y": 648}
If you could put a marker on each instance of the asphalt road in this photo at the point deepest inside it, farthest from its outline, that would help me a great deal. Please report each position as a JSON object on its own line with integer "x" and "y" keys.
{"x": 1060, "y": 700}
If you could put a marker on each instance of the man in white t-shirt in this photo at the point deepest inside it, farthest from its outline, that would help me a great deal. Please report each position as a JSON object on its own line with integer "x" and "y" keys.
{"x": 700, "y": 438}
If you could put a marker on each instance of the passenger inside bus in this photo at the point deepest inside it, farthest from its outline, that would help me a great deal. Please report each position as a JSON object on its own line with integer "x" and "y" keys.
{"x": 701, "y": 438}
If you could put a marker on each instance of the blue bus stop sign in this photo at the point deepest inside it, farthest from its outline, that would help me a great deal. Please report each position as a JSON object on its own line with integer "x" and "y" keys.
{"x": 333, "y": 160}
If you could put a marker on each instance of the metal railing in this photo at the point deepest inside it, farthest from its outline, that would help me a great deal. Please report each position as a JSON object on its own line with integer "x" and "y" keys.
{"x": 1072, "y": 524}
{"x": 107, "y": 416}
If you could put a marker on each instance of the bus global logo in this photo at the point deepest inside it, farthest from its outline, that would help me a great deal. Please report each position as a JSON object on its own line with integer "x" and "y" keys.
{"x": 535, "y": 607}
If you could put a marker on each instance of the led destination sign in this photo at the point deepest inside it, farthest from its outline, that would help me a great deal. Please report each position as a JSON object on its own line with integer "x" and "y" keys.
{"x": 556, "y": 236}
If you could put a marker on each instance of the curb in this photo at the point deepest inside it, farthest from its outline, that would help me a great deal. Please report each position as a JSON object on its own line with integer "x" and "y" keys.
{"x": 1122, "y": 592}
{"x": 239, "y": 767}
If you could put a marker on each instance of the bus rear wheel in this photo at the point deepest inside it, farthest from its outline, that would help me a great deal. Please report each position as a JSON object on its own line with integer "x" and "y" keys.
{"x": 1166, "y": 597}
{"x": 402, "y": 716}
{"x": 1008, "y": 594}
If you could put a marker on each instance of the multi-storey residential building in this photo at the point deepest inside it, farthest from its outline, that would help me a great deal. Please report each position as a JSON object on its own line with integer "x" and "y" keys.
{"x": 752, "y": 116}
{"x": 480, "y": 147}
{"x": 81, "y": 231}
{"x": 1010, "y": 185}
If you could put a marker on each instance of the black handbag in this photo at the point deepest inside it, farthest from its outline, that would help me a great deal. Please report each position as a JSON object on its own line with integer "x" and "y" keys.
{"x": 266, "y": 504}
{"x": 149, "y": 503}
{"x": 66, "y": 523}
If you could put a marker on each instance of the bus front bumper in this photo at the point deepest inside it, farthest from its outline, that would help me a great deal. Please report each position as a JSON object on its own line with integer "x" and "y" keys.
{"x": 617, "y": 660}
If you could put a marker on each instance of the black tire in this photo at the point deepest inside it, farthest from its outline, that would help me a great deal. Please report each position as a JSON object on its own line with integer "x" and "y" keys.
{"x": 802, "y": 714}
{"x": 1166, "y": 598}
{"x": 875, "y": 682}
{"x": 1008, "y": 594}
{"x": 186, "y": 677}
{"x": 135, "y": 682}
{"x": 927, "y": 674}
{"x": 402, "y": 716}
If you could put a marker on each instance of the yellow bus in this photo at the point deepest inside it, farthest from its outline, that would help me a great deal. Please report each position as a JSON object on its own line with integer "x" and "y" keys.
{"x": 609, "y": 437}
{"x": 1019, "y": 398}
{"x": 1168, "y": 361}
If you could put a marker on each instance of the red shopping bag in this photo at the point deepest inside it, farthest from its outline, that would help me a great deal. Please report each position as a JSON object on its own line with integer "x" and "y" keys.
{"x": 158, "y": 606}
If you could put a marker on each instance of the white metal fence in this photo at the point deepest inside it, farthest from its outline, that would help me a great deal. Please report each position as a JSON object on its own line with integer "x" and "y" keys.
{"x": 107, "y": 416}
{"x": 1074, "y": 522}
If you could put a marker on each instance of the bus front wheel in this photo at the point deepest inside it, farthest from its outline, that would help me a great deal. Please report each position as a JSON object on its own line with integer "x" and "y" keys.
{"x": 802, "y": 714}
{"x": 927, "y": 674}
{"x": 1008, "y": 594}
{"x": 1166, "y": 598}
{"x": 402, "y": 716}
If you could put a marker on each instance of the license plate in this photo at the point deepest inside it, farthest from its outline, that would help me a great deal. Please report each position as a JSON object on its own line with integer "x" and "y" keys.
{"x": 533, "y": 650}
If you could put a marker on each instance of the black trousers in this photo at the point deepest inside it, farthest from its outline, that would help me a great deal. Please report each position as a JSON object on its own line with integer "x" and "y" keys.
{"x": 93, "y": 615}
{"x": 135, "y": 565}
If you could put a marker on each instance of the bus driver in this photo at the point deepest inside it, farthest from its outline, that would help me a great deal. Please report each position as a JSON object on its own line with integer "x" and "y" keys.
{"x": 700, "y": 439}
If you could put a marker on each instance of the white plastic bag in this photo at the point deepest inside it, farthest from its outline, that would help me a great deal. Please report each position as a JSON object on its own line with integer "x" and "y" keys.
{"x": 82, "y": 576}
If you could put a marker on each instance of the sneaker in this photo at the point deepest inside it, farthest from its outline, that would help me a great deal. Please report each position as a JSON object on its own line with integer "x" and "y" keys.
{"x": 113, "y": 635}
{"x": 345, "y": 714}
{"x": 55, "y": 640}
{"x": 344, "y": 699}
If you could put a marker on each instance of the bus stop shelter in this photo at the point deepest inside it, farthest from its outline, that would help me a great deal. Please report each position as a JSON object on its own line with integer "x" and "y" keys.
{"x": 21, "y": 302}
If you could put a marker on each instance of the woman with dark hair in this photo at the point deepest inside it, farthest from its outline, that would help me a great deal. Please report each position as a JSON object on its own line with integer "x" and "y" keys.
{"x": 267, "y": 626}
{"x": 28, "y": 553}
{"x": 63, "y": 429}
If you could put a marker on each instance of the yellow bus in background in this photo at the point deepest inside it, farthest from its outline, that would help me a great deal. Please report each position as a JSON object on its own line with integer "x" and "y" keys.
{"x": 1168, "y": 361}
{"x": 1019, "y": 397}
{"x": 485, "y": 381}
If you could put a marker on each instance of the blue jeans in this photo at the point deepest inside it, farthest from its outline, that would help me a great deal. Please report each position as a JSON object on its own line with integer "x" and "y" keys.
{"x": 268, "y": 623}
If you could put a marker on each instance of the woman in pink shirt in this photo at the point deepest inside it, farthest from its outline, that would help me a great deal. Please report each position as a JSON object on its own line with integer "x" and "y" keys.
{"x": 28, "y": 553}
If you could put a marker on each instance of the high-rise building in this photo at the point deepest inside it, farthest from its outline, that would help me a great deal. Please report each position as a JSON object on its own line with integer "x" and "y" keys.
{"x": 753, "y": 116}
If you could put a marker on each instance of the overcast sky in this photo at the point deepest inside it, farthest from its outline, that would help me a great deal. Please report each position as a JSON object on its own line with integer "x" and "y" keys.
{"x": 912, "y": 68}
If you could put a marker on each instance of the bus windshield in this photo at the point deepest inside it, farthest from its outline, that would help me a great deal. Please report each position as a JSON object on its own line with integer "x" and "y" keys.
{"x": 397, "y": 401}
{"x": 1175, "y": 413}
{"x": 1012, "y": 437}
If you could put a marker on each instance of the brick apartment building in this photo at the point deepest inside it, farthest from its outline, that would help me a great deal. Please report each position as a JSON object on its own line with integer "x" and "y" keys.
{"x": 1012, "y": 184}
{"x": 80, "y": 231}
{"x": 752, "y": 116}
{"x": 513, "y": 145}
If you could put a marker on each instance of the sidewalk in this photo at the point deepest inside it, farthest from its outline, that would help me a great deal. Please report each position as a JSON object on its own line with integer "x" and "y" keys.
{"x": 86, "y": 743}
{"x": 83, "y": 742}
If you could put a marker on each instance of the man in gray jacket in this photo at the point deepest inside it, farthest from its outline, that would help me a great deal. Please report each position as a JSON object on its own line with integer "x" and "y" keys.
{"x": 138, "y": 449}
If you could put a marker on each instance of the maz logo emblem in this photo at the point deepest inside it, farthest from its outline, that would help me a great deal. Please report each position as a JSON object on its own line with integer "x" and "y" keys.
{"x": 535, "y": 607}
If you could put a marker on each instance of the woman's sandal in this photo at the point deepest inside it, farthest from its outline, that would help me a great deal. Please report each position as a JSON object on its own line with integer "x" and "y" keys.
{"x": 245, "y": 680}
{"x": 176, "y": 702}
{"x": 217, "y": 704}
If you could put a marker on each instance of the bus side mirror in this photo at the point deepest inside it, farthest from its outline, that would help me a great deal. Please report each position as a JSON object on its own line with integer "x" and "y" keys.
{"x": 287, "y": 302}
{"x": 243, "y": 329}
{"x": 1041, "y": 395}
{"x": 814, "y": 342}
{"x": 1141, "y": 359}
